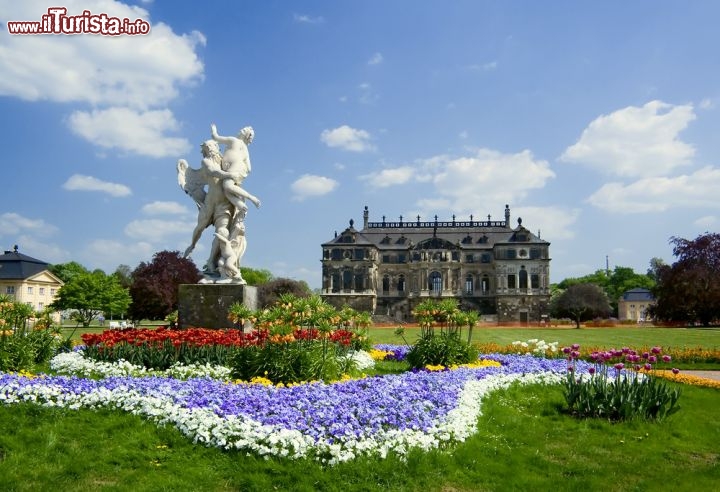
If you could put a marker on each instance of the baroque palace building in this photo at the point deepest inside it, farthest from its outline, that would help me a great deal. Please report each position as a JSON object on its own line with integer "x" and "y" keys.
{"x": 387, "y": 268}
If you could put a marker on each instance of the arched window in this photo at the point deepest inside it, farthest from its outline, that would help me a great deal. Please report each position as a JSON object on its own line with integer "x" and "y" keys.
{"x": 523, "y": 277}
{"x": 336, "y": 282}
{"x": 469, "y": 284}
{"x": 401, "y": 283}
{"x": 386, "y": 284}
{"x": 485, "y": 284}
{"x": 435, "y": 283}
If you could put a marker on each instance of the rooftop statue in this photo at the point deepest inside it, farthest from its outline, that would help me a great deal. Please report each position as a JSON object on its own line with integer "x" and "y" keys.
{"x": 215, "y": 188}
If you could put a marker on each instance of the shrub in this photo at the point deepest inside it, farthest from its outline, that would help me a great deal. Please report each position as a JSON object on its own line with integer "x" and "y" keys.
{"x": 617, "y": 393}
{"x": 445, "y": 349}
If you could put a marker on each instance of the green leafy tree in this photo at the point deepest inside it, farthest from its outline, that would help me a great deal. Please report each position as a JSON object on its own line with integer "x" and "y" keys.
{"x": 124, "y": 275}
{"x": 255, "y": 277}
{"x": 688, "y": 290}
{"x": 581, "y": 302}
{"x": 67, "y": 271}
{"x": 90, "y": 294}
{"x": 154, "y": 288}
{"x": 614, "y": 283}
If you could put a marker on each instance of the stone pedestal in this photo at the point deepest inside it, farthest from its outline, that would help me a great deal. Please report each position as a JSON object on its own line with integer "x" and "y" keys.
{"x": 207, "y": 305}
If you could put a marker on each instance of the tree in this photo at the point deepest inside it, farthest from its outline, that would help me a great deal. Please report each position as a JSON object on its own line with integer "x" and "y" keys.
{"x": 689, "y": 291}
{"x": 614, "y": 283}
{"x": 269, "y": 293}
{"x": 581, "y": 302}
{"x": 90, "y": 294}
{"x": 124, "y": 275}
{"x": 67, "y": 271}
{"x": 255, "y": 277}
{"x": 154, "y": 288}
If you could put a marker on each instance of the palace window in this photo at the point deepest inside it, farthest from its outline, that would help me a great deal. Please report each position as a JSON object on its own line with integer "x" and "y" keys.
{"x": 401, "y": 283}
{"x": 535, "y": 281}
{"x": 485, "y": 284}
{"x": 469, "y": 284}
{"x": 10, "y": 289}
{"x": 523, "y": 278}
{"x": 41, "y": 291}
{"x": 511, "y": 281}
{"x": 485, "y": 258}
{"x": 435, "y": 283}
{"x": 386, "y": 284}
{"x": 347, "y": 279}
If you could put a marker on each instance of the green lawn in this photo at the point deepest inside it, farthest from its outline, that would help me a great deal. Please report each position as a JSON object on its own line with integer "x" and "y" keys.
{"x": 524, "y": 442}
{"x": 708, "y": 338}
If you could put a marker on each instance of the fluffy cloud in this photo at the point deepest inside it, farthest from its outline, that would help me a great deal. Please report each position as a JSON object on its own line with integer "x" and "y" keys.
{"x": 164, "y": 208}
{"x": 138, "y": 71}
{"x": 139, "y": 132}
{"x": 553, "y": 222}
{"x": 12, "y": 223}
{"x": 309, "y": 185}
{"x": 635, "y": 141}
{"x": 308, "y": 19}
{"x": 389, "y": 177}
{"x": 157, "y": 230}
{"x": 656, "y": 194}
{"x": 108, "y": 254}
{"x": 347, "y": 138}
{"x": 468, "y": 184}
{"x": 79, "y": 182}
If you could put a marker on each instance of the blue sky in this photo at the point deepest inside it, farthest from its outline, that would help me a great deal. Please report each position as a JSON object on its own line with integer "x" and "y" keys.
{"x": 596, "y": 122}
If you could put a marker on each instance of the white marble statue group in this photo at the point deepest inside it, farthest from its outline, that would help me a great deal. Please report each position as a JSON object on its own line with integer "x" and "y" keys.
{"x": 216, "y": 189}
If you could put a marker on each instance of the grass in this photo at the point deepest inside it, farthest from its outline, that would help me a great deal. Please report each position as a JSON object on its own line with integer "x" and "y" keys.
{"x": 597, "y": 337}
{"x": 525, "y": 442}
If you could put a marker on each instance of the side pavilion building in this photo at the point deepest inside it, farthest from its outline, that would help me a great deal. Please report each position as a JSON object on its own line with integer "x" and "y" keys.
{"x": 387, "y": 268}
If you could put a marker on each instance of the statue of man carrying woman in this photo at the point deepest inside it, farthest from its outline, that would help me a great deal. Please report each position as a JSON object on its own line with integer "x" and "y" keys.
{"x": 216, "y": 189}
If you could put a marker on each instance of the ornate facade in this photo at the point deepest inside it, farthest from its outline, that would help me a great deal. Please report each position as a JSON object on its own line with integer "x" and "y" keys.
{"x": 387, "y": 268}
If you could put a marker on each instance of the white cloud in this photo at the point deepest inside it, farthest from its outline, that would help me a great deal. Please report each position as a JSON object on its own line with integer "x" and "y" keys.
{"x": 707, "y": 104}
{"x": 138, "y": 71}
{"x": 553, "y": 222}
{"x": 347, "y": 138}
{"x": 156, "y": 230}
{"x": 309, "y": 185}
{"x": 132, "y": 131}
{"x": 367, "y": 94}
{"x": 375, "y": 59}
{"x": 108, "y": 254}
{"x": 467, "y": 184}
{"x": 657, "y": 194}
{"x": 707, "y": 223}
{"x": 308, "y": 19}
{"x": 12, "y": 223}
{"x": 389, "y": 177}
{"x": 635, "y": 141}
{"x": 42, "y": 250}
{"x": 79, "y": 182}
{"x": 164, "y": 208}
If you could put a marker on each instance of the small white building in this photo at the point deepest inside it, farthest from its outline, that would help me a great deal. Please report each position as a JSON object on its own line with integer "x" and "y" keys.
{"x": 28, "y": 280}
{"x": 634, "y": 304}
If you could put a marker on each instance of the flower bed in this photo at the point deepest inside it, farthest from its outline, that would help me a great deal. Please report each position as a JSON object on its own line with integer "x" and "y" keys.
{"x": 330, "y": 422}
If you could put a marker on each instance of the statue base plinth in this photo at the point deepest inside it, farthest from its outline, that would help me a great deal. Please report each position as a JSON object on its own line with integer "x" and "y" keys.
{"x": 207, "y": 305}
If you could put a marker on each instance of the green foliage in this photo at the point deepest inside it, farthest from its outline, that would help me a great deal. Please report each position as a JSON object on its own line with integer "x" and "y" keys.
{"x": 620, "y": 398}
{"x": 21, "y": 347}
{"x": 444, "y": 349}
{"x": 90, "y": 294}
{"x": 615, "y": 393}
{"x": 581, "y": 302}
{"x": 67, "y": 271}
{"x": 255, "y": 277}
{"x": 614, "y": 283}
{"x": 291, "y": 362}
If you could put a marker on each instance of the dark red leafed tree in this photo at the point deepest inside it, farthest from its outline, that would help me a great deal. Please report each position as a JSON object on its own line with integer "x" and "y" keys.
{"x": 688, "y": 291}
{"x": 154, "y": 288}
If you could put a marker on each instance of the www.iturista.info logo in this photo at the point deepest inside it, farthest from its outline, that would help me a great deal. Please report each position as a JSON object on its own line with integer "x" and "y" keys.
{"x": 56, "y": 21}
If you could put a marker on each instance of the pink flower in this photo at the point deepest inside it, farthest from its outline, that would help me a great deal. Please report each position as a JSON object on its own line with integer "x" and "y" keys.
{"x": 675, "y": 370}
{"x": 652, "y": 359}
{"x": 637, "y": 367}
{"x": 656, "y": 350}
{"x": 619, "y": 366}
{"x": 575, "y": 346}
{"x": 566, "y": 350}
{"x": 591, "y": 370}
{"x": 648, "y": 366}
{"x": 666, "y": 358}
